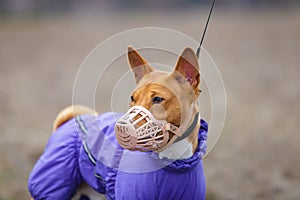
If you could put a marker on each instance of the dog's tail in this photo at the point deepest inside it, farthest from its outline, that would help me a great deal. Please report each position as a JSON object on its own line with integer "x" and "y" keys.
{"x": 71, "y": 112}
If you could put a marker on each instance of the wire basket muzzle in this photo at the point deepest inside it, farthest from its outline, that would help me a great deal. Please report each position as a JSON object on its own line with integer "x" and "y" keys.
{"x": 139, "y": 130}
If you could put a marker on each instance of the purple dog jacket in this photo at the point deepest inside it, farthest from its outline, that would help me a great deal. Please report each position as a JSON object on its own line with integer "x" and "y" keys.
{"x": 85, "y": 149}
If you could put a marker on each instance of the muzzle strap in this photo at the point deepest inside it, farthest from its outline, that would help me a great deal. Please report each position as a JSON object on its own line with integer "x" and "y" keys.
{"x": 190, "y": 128}
{"x": 172, "y": 128}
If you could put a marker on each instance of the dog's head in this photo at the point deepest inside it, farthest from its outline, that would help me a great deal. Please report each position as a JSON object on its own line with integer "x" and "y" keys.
{"x": 166, "y": 95}
{"x": 169, "y": 97}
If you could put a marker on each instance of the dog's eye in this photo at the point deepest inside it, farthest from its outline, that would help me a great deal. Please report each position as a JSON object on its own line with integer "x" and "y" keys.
{"x": 157, "y": 100}
{"x": 132, "y": 99}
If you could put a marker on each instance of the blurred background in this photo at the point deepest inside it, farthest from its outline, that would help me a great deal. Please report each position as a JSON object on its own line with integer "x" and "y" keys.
{"x": 255, "y": 43}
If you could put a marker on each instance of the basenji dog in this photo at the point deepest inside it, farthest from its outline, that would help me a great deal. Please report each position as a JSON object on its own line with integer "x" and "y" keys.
{"x": 163, "y": 118}
{"x": 168, "y": 96}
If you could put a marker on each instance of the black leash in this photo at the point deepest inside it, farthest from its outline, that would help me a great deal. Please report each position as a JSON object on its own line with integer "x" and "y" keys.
{"x": 207, "y": 21}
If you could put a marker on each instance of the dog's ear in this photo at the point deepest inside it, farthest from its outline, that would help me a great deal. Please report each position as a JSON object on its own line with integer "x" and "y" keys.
{"x": 188, "y": 66}
{"x": 138, "y": 64}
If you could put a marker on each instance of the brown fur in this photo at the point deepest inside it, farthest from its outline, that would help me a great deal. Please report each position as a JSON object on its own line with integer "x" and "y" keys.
{"x": 178, "y": 89}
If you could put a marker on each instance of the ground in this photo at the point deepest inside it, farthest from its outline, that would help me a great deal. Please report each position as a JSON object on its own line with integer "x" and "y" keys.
{"x": 257, "y": 155}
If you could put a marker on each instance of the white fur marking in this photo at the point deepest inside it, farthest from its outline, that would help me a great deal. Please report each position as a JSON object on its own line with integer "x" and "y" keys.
{"x": 179, "y": 150}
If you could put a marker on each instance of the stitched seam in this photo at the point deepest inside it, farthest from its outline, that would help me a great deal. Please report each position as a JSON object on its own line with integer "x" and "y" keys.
{"x": 86, "y": 149}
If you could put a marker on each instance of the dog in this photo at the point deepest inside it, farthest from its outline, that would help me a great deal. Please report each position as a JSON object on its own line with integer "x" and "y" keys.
{"x": 154, "y": 151}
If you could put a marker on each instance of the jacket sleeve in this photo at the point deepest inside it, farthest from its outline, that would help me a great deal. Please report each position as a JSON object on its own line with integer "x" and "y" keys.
{"x": 56, "y": 174}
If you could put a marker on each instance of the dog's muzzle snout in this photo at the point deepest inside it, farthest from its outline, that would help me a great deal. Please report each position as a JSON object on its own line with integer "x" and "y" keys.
{"x": 151, "y": 135}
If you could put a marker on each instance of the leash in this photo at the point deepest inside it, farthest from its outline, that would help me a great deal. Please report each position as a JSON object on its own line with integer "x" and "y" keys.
{"x": 205, "y": 28}
{"x": 196, "y": 119}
